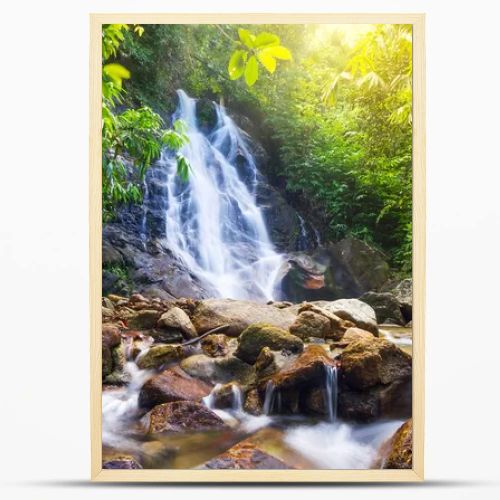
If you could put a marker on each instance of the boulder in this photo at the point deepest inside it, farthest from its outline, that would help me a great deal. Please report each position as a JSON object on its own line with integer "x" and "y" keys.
{"x": 159, "y": 355}
{"x": 171, "y": 385}
{"x": 145, "y": 319}
{"x": 259, "y": 335}
{"x": 269, "y": 362}
{"x": 220, "y": 370}
{"x": 244, "y": 455}
{"x": 177, "y": 320}
{"x": 369, "y": 362}
{"x": 400, "y": 448}
{"x": 352, "y": 335}
{"x": 182, "y": 416}
{"x": 386, "y": 307}
{"x": 113, "y": 354}
{"x": 307, "y": 370}
{"x": 360, "y": 313}
{"x": 314, "y": 321}
{"x": 239, "y": 314}
{"x": 215, "y": 345}
{"x": 403, "y": 293}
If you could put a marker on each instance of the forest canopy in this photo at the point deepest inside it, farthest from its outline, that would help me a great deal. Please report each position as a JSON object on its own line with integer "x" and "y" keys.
{"x": 332, "y": 104}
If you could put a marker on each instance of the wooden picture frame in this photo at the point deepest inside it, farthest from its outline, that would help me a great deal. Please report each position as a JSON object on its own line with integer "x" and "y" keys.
{"x": 303, "y": 476}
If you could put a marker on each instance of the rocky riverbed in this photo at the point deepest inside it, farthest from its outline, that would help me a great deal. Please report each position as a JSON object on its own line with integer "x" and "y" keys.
{"x": 234, "y": 384}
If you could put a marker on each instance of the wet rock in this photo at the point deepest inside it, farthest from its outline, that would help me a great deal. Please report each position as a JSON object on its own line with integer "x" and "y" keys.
{"x": 244, "y": 455}
{"x": 369, "y": 362}
{"x": 400, "y": 448}
{"x": 253, "y": 404}
{"x": 171, "y": 385}
{"x": 145, "y": 319}
{"x": 386, "y": 307}
{"x": 113, "y": 354}
{"x": 239, "y": 314}
{"x": 360, "y": 313}
{"x": 308, "y": 369}
{"x": 182, "y": 416}
{"x": 177, "y": 320}
{"x": 121, "y": 463}
{"x": 314, "y": 321}
{"x": 107, "y": 314}
{"x": 166, "y": 336}
{"x": 259, "y": 335}
{"x": 220, "y": 370}
{"x": 269, "y": 362}
{"x": 215, "y": 345}
{"x": 159, "y": 355}
{"x": 226, "y": 396}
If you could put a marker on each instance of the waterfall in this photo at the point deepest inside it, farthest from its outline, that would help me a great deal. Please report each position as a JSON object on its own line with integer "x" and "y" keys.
{"x": 213, "y": 222}
{"x": 331, "y": 392}
{"x": 272, "y": 399}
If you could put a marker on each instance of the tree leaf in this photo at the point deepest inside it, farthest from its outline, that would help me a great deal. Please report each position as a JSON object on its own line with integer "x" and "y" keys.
{"x": 246, "y": 37}
{"x": 267, "y": 60}
{"x": 265, "y": 39}
{"x": 116, "y": 72}
{"x": 279, "y": 52}
{"x": 236, "y": 65}
{"x": 251, "y": 71}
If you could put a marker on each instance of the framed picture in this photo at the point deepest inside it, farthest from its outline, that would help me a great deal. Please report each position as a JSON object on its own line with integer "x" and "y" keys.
{"x": 257, "y": 247}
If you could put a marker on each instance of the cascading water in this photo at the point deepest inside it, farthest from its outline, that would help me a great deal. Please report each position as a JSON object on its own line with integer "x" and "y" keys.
{"x": 213, "y": 222}
{"x": 331, "y": 392}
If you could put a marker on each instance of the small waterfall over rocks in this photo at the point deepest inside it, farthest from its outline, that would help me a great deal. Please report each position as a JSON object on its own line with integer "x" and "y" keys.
{"x": 213, "y": 222}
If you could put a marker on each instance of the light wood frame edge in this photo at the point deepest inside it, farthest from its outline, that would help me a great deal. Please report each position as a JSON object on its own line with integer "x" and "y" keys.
{"x": 419, "y": 253}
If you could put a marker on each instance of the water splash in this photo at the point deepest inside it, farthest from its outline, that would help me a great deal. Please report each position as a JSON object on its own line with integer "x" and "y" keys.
{"x": 213, "y": 222}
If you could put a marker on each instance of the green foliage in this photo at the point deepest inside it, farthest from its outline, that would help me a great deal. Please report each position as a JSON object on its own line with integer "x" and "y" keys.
{"x": 136, "y": 135}
{"x": 252, "y": 49}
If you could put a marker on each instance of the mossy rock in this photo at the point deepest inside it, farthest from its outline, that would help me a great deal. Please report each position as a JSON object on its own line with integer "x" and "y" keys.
{"x": 159, "y": 355}
{"x": 260, "y": 335}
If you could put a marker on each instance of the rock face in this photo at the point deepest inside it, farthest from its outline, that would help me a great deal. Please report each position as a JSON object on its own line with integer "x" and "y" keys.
{"x": 169, "y": 386}
{"x": 400, "y": 452}
{"x": 239, "y": 314}
{"x": 375, "y": 381}
{"x": 177, "y": 320}
{"x": 386, "y": 307}
{"x": 361, "y": 314}
{"x": 113, "y": 355}
{"x": 260, "y": 335}
{"x": 404, "y": 295}
{"x": 182, "y": 416}
{"x": 220, "y": 370}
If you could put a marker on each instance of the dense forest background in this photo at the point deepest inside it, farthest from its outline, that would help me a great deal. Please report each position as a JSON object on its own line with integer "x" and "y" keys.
{"x": 335, "y": 117}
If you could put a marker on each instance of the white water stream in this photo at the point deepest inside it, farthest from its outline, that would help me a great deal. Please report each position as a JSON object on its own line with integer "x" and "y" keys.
{"x": 213, "y": 222}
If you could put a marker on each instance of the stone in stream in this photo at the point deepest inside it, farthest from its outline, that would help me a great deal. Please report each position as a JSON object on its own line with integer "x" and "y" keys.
{"x": 386, "y": 307}
{"x": 253, "y": 404}
{"x": 124, "y": 462}
{"x": 215, "y": 345}
{"x": 259, "y": 335}
{"x": 352, "y": 335}
{"x": 182, "y": 416}
{"x": 239, "y": 314}
{"x": 403, "y": 293}
{"x": 173, "y": 384}
{"x": 176, "y": 319}
{"x": 220, "y": 370}
{"x": 113, "y": 355}
{"x": 397, "y": 452}
{"x": 144, "y": 319}
{"x": 375, "y": 381}
{"x": 159, "y": 355}
{"x": 360, "y": 313}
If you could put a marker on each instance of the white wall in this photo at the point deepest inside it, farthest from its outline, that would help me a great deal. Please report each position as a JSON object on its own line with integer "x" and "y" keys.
{"x": 44, "y": 445}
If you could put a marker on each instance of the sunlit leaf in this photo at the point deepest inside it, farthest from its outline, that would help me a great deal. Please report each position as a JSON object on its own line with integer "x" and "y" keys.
{"x": 236, "y": 65}
{"x": 279, "y": 52}
{"x": 246, "y": 38}
{"x": 251, "y": 71}
{"x": 265, "y": 39}
{"x": 267, "y": 60}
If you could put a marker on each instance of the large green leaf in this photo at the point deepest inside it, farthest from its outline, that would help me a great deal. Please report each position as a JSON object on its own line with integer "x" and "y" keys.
{"x": 267, "y": 60}
{"x": 236, "y": 65}
{"x": 116, "y": 72}
{"x": 251, "y": 71}
{"x": 265, "y": 39}
{"x": 246, "y": 37}
{"x": 279, "y": 52}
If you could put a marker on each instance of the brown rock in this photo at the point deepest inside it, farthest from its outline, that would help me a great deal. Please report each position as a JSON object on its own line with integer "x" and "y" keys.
{"x": 352, "y": 335}
{"x": 215, "y": 345}
{"x": 177, "y": 319}
{"x": 173, "y": 384}
{"x": 159, "y": 355}
{"x": 239, "y": 314}
{"x": 369, "y": 362}
{"x": 253, "y": 404}
{"x": 400, "y": 453}
{"x": 182, "y": 416}
{"x": 144, "y": 319}
{"x": 123, "y": 462}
